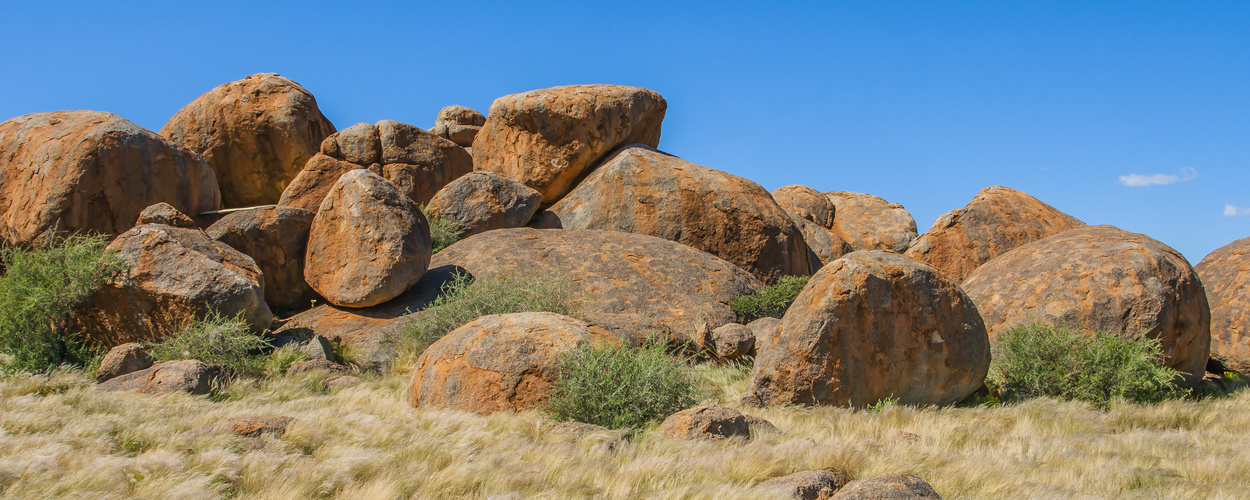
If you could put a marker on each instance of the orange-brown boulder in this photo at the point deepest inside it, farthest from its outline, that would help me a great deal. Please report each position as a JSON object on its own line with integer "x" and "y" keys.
{"x": 807, "y": 203}
{"x": 459, "y": 124}
{"x": 164, "y": 213}
{"x": 1100, "y": 278}
{"x": 172, "y": 274}
{"x": 868, "y": 222}
{"x": 499, "y": 362}
{"x": 869, "y": 326}
{"x": 92, "y": 171}
{"x": 706, "y": 421}
{"x": 414, "y": 160}
{"x": 819, "y": 484}
{"x": 635, "y": 285}
{"x": 120, "y": 360}
{"x": 887, "y": 487}
{"x": 1225, "y": 274}
{"x": 550, "y": 138}
{"x": 645, "y": 191}
{"x": 997, "y": 220}
{"x": 823, "y": 246}
{"x": 188, "y": 375}
{"x": 368, "y": 242}
{"x": 276, "y": 238}
{"x": 256, "y": 133}
{"x": 482, "y": 201}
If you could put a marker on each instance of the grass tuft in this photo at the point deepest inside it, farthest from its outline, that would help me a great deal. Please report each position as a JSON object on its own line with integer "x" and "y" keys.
{"x": 443, "y": 231}
{"x": 771, "y": 301}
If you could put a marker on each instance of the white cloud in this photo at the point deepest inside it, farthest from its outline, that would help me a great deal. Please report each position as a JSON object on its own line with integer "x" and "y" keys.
{"x": 1138, "y": 180}
{"x": 1234, "y": 211}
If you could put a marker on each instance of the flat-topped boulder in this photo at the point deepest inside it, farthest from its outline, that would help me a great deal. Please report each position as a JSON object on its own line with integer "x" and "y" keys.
{"x": 276, "y": 238}
{"x": 869, "y": 222}
{"x": 94, "y": 172}
{"x": 1225, "y": 274}
{"x": 257, "y": 133}
{"x": 549, "y": 138}
{"x": 997, "y": 220}
{"x": 1100, "y": 278}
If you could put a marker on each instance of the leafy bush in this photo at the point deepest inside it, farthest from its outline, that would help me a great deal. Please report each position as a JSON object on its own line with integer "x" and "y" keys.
{"x": 621, "y": 387}
{"x": 443, "y": 231}
{"x": 214, "y": 339}
{"x": 40, "y": 288}
{"x": 465, "y": 299}
{"x": 1057, "y": 361}
{"x": 772, "y": 300}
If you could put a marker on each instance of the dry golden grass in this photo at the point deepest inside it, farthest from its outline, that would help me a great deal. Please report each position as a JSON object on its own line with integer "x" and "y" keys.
{"x": 60, "y": 438}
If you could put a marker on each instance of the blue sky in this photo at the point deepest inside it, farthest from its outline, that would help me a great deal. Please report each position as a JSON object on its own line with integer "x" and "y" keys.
{"x": 1135, "y": 114}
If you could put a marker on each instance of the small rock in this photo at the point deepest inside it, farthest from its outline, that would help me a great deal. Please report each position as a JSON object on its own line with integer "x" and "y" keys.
{"x": 246, "y": 426}
{"x": 887, "y": 487}
{"x": 816, "y": 484}
{"x": 189, "y": 375}
{"x": 319, "y": 348}
{"x": 123, "y": 359}
{"x": 759, "y": 424}
{"x": 730, "y": 341}
{"x": 459, "y": 124}
{"x": 575, "y": 428}
{"x": 706, "y": 421}
{"x": 908, "y": 436}
{"x": 342, "y": 382}
{"x": 164, "y": 213}
{"x": 316, "y": 364}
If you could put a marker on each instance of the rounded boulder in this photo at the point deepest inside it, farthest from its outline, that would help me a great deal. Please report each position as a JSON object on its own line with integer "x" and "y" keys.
{"x": 276, "y": 238}
{"x": 867, "y": 222}
{"x": 458, "y": 124}
{"x": 482, "y": 201}
{"x": 1225, "y": 274}
{"x": 806, "y": 203}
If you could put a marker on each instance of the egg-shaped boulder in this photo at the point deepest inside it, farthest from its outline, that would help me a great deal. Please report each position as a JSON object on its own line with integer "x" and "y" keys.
{"x": 1225, "y": 274}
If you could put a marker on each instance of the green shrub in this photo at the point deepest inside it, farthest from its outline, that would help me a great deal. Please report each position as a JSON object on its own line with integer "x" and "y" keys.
{"x": 443, "y": 231}
{"x": 465, "y": 299}
{"x": 215, "y": 339}
{"x": 40, "y": 288}
{"x": 1061, "y": 362}
{"x": 621, "y": 387}
{"x": 772, "y": 300}
{"x": 280, "y": 360}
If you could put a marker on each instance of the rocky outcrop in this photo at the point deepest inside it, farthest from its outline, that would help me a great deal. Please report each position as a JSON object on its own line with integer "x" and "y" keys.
{"x": 276, "y": 238}
{"x": 644, "y": 191}
{"x": 706, "y": 421}
{"x": 1100, "y": 278}
{"x": 172, "y": 274}
{"x": 867, "y": 222}
{"x": 256, "y": 133}
{"x": 806, "y": 203}
{"x": 499, "y": 362}
{"x": 636, "y": 285}
{"x": 550, "y": 138}
{"x": 458, "y": 124}
{"x": 415, "y": 161}
{"x": 94, "y": 172}
{"x": 189, "y": 376}
{"x": 126, "y": 358}
{"x": 873, "y": 325}
{"x": 368, "y": 242}
{"x": 164, "y": 213}
{"x": 819, "y": 484}
{"x": 997, "y": 220}
{"x": 482, "y": 201}
{"x": 1225, "y": 274}
{"x": 887, "y": 487}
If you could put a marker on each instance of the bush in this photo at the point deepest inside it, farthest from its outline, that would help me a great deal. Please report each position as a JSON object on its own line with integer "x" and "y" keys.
{"x": 772, "y": 301}
{"x": 214, "y": 339}
{"x": 621, "y": 387}
{"x": 38, "y": 292}
{"x": 465, "y": 299}
{"x": 1061, "y": 362}
{"x": 443, "y": 231}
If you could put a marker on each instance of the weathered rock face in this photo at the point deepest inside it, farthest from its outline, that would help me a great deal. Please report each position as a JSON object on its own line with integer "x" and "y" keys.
{"x": 276, "y": 238}
{"x": 368, "y": 242}
{"x": 1226, "y": 275}
{"x": 887, "y": 487}
{"x": 873, "y": 325}
{"x": 164, "y": 213}
{"x": 729, "y": 341}
{"x": 644, "y": 191}
{"x": 482, "y": 201}
{"x": 636, "y": 285}
{"x": 123, "y": 359}
{"x": 550, "y": 138}
{"x": 414, "y": 160}
{"x": 807, "y": 203}
{"x": 172, "y": 274}
{"x": 256, "y": 133}
{"x": 190, "y": 376}
{"x": 823, "y": 246}
{"x": 92, "y": 171}
{"x": 499, "y": 362}
{"x": 816, "y": 484}
{"x": 997, "y": 220}
{"x": 458, "y": 124}
{"x": 1100, "y": 278}
{"x": 706, "y": 421}
{"x": 867, "y": 222}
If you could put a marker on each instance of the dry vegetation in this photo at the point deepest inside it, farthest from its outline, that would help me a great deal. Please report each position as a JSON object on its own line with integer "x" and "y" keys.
{"x": 61, "y": 438}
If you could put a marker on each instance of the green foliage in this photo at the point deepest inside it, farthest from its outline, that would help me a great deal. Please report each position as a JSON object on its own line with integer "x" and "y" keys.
{"x": 882, "y": 404}
{"x": 465, "y": 299}
{"x": 280, "y": 360}
{"x": 772, "y": 301}
{"x": 40, "y": 288}
{"x": 622, "y": 387}
{"x": 1061, "y": 362}
{"x": 215, "y": 339}
{"x": 443, "y": 231}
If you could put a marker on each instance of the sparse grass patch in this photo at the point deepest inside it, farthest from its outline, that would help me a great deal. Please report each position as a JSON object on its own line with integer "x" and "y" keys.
{"x": 771, "y": 301}
{"x": 215, "y": 339}
{"x": 443, "y": 231}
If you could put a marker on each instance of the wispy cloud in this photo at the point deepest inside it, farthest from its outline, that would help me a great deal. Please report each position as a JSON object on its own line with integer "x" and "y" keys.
{"x": 1138, "y": 180}
{"x": 1235, "y": 211}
